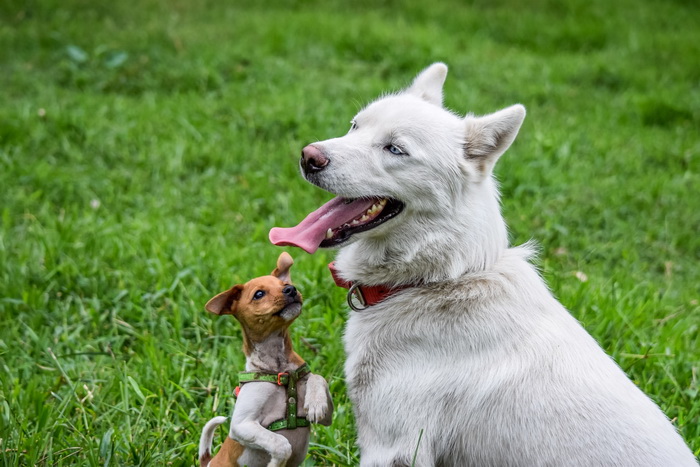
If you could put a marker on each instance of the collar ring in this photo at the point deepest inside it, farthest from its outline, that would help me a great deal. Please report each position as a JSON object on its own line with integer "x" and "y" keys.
{"x": 355, "y": 294}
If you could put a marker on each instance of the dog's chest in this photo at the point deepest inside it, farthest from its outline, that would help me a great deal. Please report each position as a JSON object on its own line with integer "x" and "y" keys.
{"x": 362, "y": 363}
{"x": 415, "y": 339}
{"x": 276, "y": 405}
{"x": 384, "y": 337}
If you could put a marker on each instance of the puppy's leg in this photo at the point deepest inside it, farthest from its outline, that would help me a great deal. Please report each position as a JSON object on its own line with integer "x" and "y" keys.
{"x": 318, "y": 404}
{"x": 246, "y": 427}
{"x": 253, "y": 435}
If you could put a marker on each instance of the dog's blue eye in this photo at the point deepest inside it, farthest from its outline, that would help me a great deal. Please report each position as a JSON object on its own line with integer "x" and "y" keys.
{"x": 258, "y": 295}
{"x": 394, "y": 150}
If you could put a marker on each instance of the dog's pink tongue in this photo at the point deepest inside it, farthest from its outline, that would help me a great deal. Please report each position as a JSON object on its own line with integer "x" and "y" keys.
{"x": 309, "y": 234}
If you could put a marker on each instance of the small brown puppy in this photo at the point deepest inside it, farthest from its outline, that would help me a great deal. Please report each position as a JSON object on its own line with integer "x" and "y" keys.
{"x": 279, "y": 397}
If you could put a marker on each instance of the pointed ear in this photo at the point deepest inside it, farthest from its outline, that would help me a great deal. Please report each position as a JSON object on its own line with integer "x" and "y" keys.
{"x": 489, "y": 136}
{"x": 284, "y": 263}
{"x": 224, "y": 303}
{"x": 428, "y": 84}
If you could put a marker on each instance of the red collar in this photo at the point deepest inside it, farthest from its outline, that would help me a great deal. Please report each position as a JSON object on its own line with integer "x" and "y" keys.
{"x": 363, "y": 296}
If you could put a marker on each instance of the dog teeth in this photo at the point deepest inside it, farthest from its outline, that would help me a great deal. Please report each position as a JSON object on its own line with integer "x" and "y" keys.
{"x": 377, "y": 207}
{"x": 329, "y": 234}
{"x": 370, "y": 214}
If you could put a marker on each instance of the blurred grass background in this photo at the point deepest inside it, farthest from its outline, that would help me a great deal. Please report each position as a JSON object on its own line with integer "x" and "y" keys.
{"x": 147, "y": 147}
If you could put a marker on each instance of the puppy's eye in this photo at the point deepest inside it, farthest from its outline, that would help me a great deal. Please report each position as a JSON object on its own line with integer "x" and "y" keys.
{"x": 258, "y": 295}
{"x": 395, "y": 150}
{"x": 353, "y": 125}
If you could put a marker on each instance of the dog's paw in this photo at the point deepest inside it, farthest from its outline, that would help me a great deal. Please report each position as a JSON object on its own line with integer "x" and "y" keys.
{"x": 281, "y": 455}
{"x": 316, "y": 401}
{"x": 316, "y": 412}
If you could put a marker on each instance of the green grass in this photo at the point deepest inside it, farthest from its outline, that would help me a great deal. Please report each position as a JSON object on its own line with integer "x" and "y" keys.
{"x": 146, "y": 148}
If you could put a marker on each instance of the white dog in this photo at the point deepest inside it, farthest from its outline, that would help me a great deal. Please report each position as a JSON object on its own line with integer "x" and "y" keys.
{"x": 460, "y": 355}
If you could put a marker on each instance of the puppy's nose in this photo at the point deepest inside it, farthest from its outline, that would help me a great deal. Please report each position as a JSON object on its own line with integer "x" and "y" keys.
{"x": 290, "y": 291}
{"x": 312, "y": 159}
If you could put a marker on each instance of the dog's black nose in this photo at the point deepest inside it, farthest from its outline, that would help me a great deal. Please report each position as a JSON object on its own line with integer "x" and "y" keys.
{"x": 312, "y": 159}
{"x": 290, "y": 291}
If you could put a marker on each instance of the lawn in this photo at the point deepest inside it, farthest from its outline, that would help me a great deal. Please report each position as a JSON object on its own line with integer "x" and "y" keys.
{"x": 146, "y": 148}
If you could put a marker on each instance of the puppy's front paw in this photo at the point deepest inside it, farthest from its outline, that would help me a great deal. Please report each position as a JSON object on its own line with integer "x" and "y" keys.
{"x": 281, "y": 455}
{"x": 316, "y": 402}
{"x": 316, "y": 411}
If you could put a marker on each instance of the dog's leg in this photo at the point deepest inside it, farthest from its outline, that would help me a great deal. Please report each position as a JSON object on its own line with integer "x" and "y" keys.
{"x": 318, "y": 404}
{"x": 246, "y": 425}
{"x": 389, "y": 458}
{"x": 253, "y": 435}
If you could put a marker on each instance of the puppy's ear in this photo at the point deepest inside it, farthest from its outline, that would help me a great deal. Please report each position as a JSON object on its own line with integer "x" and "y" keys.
{"x": 428, "y": 83}
{"x": 488, "y": 137}
{"x": 225, "y": 302}
{"x": 284, "y": 263}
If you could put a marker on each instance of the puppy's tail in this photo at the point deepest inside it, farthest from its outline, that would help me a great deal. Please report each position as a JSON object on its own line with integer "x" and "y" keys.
{"x": 206, "y": 439}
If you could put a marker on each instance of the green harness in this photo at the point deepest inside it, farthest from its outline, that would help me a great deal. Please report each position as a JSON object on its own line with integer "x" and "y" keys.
{"x": 287, "y": 379}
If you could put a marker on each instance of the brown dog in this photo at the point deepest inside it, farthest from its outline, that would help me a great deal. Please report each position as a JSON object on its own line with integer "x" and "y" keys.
{"x": 279, "y": 397}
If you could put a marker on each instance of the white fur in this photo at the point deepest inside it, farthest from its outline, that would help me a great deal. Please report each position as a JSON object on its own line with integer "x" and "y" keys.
{"x": 207, "y": 436}
{"x": 479, "y": 356}
{"x": 252, "y": 409}
{"x": 318, "y": 405}
{"x": 247, "y": 430}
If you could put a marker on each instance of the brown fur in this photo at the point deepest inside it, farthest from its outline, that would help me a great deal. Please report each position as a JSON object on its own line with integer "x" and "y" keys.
{"x": 227, "y": 456}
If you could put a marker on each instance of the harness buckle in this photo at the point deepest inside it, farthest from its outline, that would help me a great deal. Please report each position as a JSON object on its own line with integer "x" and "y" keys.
{"x": 356, "y": 293}
{"x": 279, "y": 378}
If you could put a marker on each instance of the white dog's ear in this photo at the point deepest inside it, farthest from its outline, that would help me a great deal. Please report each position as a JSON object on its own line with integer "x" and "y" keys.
{"x": 428, "y": 83}
{"x": 489, "y": 136}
